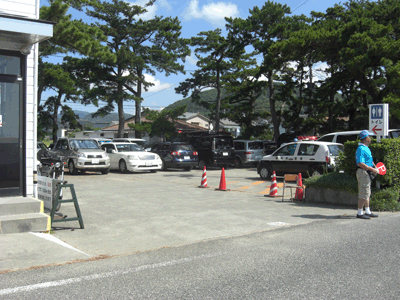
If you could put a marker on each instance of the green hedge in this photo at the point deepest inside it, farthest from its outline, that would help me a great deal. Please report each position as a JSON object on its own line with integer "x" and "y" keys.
{"x": 381, "y": 200}
{"x": 387, "y": 151}
{"x": 334, "y": 181}
{"x": 387, "y": 199}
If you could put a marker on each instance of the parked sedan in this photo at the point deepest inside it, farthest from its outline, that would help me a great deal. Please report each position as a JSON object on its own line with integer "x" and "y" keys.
{"x": 81, "y": 155}
{"x": 176, "y": 155}
{"x": 131, "y": 157}
{"x": 308, "y": 158}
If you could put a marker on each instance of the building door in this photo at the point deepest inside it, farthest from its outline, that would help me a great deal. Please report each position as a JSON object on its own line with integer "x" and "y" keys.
{"x": 11, "y": 144}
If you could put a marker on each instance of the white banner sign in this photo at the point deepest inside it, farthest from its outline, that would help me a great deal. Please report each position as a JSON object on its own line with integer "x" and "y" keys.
{"x": 45, "y": 191}
{"x": 379, "y": 119}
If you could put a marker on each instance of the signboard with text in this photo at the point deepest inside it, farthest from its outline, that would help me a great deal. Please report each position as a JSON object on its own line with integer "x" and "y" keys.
{"x": 379, "y": 119}
{"x": 45, "y": 191}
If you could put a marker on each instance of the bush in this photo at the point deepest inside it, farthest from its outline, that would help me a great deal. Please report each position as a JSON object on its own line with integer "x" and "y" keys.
{"x": 385, "y": 200}
{"x": 381, "y": 200}
{"x": 334, "y": 181}
{"x": 387, "y": 151}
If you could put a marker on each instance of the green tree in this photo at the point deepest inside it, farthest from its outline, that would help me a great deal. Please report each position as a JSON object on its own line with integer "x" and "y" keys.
{"x": 262, "y": 30}
{"x": 69, "y": 36}
{"x": 214, "y": 53}
{"x": 140, "y": 47}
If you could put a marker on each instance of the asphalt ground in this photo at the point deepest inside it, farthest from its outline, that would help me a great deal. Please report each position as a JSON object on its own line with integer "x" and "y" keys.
{"x": 139, "y": 212}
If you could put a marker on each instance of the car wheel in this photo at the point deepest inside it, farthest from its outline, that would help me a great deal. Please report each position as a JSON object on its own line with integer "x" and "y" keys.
{"x": 265, "y": 172}
{"x": 202, "y": 163}
{"x": 105, "y": 171}
{"x": 72, "y": 169}
{"x": 315, "y": 172}
{"x": 238, "y": 162}
{"x": 187, "y": 168}
{"x": 122, "y": 166}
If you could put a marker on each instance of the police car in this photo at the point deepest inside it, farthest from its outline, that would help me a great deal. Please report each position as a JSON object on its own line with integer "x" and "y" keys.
{"x": 310, "y": 158}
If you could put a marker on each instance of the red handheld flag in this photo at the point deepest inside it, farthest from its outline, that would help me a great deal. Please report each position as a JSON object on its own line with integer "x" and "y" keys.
{"x": 381, "y": 168}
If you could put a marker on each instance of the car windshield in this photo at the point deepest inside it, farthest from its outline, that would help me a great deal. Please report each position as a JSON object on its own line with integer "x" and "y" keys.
{"x": 129, "y": 148}
{"x": 256, "y": 146}
{"x": 182, "y": 148}
{"x": 395, "y": 134}
{"x": 41, "y": 146}
{"x": 223, "y": 143}
{"x": 335, "y": 149}
{"x": 83, "y": 144}
{"x": 141, "y": 143}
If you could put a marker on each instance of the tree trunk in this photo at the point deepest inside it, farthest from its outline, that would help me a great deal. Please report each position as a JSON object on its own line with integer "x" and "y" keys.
{"x": 274, "y": 116}
{"x": 330, "y": 112}
{"x": 138, "y": 105}
{"x": 311, "y": 93}
{"x": 121, "y": 119}
{"x": 218, "y": 106}
{"x": 55, "y": 117}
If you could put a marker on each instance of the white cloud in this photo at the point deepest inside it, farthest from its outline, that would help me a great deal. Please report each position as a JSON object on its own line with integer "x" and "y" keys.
{"x": 151, "y": 10}
{"x": 192, "y": 59}
{"x": 165, "y": 4}
{"x": 158, "y": 85}
{"x": 214, "y": 13}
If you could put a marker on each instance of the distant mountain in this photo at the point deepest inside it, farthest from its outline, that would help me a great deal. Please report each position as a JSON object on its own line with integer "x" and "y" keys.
{"x": 262, "y": 102}
{"x": 81, "y": 113}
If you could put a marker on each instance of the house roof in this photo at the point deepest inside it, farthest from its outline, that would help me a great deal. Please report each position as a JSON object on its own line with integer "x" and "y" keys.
{"x": 191, "y": 115}
{"x": 227, "y": 122}
{"x": 114, "y": 127}
{"x": 179, "y": 125}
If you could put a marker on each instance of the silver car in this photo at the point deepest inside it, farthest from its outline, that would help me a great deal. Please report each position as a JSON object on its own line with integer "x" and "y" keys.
{"x": 81, "y": 155}
{"x": 248, "y": 152}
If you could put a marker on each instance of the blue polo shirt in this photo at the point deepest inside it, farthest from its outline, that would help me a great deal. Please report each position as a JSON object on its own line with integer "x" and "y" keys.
{"x": 364, "y": 155}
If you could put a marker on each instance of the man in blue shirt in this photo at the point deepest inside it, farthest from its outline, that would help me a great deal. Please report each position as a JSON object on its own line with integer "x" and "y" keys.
{"x": 365, "y": 164}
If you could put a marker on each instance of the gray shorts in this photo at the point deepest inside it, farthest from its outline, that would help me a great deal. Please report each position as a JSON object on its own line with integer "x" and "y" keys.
{"x": 364, "y": 184}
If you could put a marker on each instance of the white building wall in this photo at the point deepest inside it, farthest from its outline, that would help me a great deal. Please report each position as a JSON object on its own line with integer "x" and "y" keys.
{"x": 25, "y": 8}
{"x": 198, "y": 121}
{"x": 30, "y": 9}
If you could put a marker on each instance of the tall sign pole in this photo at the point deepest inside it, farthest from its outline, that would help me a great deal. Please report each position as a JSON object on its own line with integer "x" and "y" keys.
{"x": 379, "y": 120}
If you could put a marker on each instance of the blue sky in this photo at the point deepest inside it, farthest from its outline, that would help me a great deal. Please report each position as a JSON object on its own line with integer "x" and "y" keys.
{"x": 197, "y": 16}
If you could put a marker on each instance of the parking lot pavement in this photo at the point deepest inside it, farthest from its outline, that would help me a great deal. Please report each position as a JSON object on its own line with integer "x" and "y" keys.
{"x": 128, "y": 213}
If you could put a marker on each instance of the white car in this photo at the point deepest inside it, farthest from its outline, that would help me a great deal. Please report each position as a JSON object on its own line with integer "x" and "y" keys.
{"x": 305, "y": 157}
{"x": 131, "y": 157}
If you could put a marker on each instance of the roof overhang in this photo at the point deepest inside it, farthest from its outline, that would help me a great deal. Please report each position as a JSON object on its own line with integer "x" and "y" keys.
{"x": 19, "y": 34}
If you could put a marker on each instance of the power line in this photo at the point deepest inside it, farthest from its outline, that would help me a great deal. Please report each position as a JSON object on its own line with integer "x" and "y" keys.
{"x": 160, "y": 91}
{"x": 300, "y": 5}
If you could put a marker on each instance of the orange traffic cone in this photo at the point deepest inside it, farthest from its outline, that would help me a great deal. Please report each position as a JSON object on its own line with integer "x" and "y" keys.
{"x": 273, "y": 190}
{"x": 299, "y": 189}
{"x": 222, "y": 183}
{"x": 204, "y": 179}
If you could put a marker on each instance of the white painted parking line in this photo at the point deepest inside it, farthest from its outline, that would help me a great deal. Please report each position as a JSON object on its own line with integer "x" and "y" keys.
{"x": 53, "y": 239}
{"x": 44, "y": 285}
{"x": 278, "y": 224}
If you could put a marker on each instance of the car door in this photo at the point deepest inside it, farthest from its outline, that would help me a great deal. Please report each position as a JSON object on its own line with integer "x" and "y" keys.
{"x": 62, "y": 149}
{"x": 306, "y": 157}
{"x": 113, "y": 157}
{"x": 166, "y": 154}
{"x": 282, "y": 160}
